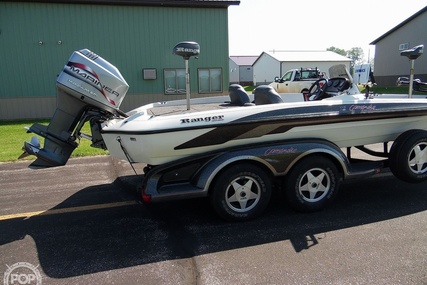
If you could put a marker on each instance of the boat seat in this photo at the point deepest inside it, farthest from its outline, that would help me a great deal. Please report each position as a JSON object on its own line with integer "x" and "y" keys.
{"x": 265, "y": 94}
{"x": 238, "y": 95}
{"x": 419, "y": 86}
{"x": 413, "y": 53}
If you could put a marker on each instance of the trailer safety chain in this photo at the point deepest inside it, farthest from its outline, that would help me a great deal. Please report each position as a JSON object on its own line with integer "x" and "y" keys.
{"x": 119, "y": 139}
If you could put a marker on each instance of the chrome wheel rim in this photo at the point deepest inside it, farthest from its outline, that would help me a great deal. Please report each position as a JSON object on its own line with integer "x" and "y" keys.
{"x": 243, "y": 194}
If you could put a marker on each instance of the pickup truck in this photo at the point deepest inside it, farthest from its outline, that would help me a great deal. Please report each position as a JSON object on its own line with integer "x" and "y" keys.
{"x": 297, "y": 80}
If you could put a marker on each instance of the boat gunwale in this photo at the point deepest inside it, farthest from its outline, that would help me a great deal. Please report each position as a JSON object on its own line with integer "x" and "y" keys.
{"x": 293, "y": 120}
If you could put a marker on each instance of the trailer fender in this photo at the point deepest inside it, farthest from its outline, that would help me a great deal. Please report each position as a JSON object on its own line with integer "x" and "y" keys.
{"x": 277, "y": 159}
{"x": 209, "y": 171}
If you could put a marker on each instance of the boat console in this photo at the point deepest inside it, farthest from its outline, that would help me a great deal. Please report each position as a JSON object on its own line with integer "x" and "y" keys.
{"x": 337, "y": 85}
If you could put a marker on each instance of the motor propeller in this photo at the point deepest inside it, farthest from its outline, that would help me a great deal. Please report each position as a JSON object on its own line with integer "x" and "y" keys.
{"x": 31, "y": 148}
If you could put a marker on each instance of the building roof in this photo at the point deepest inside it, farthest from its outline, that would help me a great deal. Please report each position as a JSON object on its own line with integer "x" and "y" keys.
{"x": 163, "y": 3}
{"x": 284, "y": 56}
{"x": 244, "y": 59}
{"x": 400, "y": 25}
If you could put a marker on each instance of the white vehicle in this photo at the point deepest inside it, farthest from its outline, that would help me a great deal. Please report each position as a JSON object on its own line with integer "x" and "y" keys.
{"x": 297, "y": 80}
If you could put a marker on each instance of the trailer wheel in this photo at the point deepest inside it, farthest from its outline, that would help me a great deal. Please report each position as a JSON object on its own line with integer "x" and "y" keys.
{"x": 241, "y": 192}
{"x": 312, "y": 184}
{"x": 408, "y": 156}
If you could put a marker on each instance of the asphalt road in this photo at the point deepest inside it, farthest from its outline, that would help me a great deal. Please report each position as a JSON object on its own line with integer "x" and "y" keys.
{"x": 81, "y": 224}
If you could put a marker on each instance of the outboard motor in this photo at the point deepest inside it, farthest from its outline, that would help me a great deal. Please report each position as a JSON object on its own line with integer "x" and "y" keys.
{"x": 88, "y": 89}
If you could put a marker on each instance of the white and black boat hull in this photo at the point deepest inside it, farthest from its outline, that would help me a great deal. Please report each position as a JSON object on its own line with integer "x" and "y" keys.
{"x": 157, "y": 140}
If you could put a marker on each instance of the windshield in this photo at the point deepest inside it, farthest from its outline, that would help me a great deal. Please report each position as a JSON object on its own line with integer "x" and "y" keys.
{"x": 339, "y": 70}
{"x": 287, "y": 76}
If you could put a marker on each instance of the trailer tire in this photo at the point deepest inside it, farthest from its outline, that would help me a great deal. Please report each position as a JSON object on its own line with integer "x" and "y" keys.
{"x": 241, "y": 192}
{"x": 408, "y": 156}
{"x": 312, "y": 184}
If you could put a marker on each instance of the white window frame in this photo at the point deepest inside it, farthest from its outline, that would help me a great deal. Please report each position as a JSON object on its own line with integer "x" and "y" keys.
{"x": 403, "y": 46}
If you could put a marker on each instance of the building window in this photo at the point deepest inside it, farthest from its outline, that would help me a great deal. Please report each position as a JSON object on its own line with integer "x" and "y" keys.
{"x": 174, "y": 81}
{"x": 210, "y": 80}
{"x": 404, "y": 46}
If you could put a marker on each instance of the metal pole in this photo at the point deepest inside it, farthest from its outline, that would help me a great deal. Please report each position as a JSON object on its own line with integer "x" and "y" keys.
{"x": 187, "y": 84}
{"x": 411, "y": 78}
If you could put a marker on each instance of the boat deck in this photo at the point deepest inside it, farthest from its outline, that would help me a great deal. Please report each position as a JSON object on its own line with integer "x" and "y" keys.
{"x": 210, "y": 103}
{"x": 164, "y": 110}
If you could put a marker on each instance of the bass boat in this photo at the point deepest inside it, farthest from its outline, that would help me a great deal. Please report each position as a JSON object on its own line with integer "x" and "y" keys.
{"x": 90, "y": 89}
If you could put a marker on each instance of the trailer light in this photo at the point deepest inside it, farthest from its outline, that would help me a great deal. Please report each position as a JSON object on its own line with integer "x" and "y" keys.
{"x": 146, "y": 198}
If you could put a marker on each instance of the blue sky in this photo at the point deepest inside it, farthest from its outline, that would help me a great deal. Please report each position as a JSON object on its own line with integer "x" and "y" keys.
{"x": 265, "y": 25}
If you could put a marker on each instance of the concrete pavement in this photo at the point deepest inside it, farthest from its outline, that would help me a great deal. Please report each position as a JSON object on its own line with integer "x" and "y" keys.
{"x": 374, "y": 233}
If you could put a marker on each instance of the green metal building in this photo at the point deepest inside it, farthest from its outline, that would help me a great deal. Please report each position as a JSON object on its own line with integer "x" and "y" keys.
{"x": 137, "y": 36}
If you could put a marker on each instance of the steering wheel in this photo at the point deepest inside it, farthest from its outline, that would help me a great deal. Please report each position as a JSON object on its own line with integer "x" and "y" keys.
{"x": 316, "y": 90}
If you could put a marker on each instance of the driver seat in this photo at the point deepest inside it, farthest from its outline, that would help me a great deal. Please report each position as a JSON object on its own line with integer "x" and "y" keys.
{"x": 265, "y": 94}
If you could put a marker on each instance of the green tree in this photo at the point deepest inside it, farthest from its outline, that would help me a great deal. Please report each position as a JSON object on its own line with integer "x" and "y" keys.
{"x": 337, "y": 50}
{"x": 355, "y": 54}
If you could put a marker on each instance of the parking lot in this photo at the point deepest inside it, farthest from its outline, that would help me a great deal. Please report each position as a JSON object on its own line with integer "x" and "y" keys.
{"x": 84, "y": 224}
